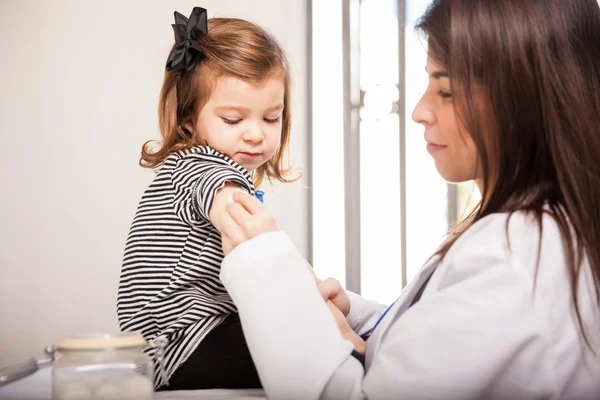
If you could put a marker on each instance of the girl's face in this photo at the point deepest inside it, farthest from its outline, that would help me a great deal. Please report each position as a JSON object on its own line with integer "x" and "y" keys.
{"x": 243, "y": 120}
{"x": 451, "y": 147}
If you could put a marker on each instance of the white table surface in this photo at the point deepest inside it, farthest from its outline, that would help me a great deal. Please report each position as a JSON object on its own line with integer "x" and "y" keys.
{"x": 38, "y": 387}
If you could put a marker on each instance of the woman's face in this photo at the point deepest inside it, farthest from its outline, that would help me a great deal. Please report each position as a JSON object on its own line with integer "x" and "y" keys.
{"x": 451, "y": 147}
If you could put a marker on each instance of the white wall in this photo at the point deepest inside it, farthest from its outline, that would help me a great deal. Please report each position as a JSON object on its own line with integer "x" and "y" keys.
{"x": 80, "y": 82}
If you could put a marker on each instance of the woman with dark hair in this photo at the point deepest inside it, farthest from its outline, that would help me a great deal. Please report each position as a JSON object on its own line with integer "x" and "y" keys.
{"x": 509, "y": 306}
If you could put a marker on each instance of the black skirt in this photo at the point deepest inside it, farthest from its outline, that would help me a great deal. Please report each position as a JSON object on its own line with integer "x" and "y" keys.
{"x": 221, "y": 360}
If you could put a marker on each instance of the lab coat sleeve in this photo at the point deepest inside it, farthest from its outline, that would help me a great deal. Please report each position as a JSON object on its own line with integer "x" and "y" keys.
{"x": 473, "y": 336}
{"x": 363, "y": 313}
{"x": 293, "y": 338}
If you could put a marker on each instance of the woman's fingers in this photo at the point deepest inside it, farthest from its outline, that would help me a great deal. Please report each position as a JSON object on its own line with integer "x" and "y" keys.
{"x": 251, "y": 216}
{"x": 238, "y": 213}
{"x": 244, "y": 219}
{"x": 332, "y": 290}
{"x": 231, "y": 233}
{"x": 250, "y": 203}
{"x": 327, "y": 288}
{"x": 339, "y": 317}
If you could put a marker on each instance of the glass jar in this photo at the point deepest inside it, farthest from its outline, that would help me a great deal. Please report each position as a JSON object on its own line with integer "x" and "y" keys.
{"x": 102, "y": 367}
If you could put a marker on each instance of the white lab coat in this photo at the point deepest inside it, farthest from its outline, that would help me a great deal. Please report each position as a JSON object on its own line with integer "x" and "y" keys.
{"x": 480, "y": 330}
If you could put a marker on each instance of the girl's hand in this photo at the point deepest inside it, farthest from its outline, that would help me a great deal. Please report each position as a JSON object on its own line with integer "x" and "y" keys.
{"x": 244, "y": 219}
{"x": 332, "y": 290}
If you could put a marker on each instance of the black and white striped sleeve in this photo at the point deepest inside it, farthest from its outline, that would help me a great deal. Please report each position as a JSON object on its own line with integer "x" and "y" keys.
{"x": 196, "y": 179}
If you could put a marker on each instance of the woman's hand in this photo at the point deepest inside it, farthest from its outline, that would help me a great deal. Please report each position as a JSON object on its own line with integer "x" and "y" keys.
{"x": 338, "y": 302}
{"x": 332, "y": 290}
{"x": 345, "y": 330}
{"x": 244, "y": 219}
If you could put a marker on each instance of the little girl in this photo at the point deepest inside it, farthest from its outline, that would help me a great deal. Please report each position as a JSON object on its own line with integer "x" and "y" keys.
{"x": 224, "y": 115}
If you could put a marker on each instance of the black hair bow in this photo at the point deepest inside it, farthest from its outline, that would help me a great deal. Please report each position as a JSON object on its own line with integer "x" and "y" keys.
{"x": 187, "y": 52}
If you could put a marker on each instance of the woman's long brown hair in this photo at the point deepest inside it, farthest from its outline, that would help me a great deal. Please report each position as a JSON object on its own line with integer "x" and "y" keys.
{"x": 525, "y": 78}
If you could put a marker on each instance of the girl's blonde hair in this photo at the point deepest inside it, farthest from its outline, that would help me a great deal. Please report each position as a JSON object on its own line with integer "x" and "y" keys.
{"x": 232, "y": 47}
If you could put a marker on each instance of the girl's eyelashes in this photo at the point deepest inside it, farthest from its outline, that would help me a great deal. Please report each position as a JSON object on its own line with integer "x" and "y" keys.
{"x": 231, "y": 121}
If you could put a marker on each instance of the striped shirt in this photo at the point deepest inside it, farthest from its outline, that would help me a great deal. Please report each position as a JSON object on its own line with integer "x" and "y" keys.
{"x": 169, "y": 286}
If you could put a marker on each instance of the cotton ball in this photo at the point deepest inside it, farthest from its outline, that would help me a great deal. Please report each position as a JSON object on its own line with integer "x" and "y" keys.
{"x": 136, "y": 387}
{"x": 74, "y": 391}
{"x": 108, "y": 391}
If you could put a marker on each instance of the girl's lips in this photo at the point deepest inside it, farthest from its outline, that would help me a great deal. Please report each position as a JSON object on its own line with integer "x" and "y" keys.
{"x": 246, "y": 154}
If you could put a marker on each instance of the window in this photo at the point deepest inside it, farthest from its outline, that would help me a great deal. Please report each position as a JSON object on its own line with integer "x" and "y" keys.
{"x": 379, "y": 207}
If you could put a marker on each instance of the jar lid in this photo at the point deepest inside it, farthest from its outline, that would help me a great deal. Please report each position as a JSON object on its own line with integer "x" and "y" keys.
{"x": 103, "y": 341}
